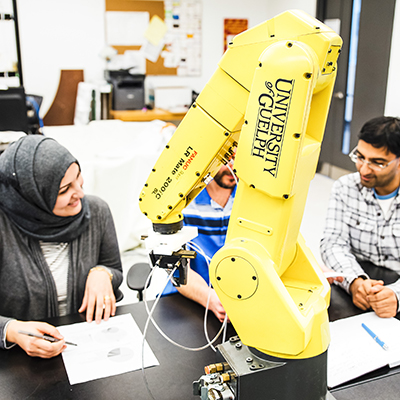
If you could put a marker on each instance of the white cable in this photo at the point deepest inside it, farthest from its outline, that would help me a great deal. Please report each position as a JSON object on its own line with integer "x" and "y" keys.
{"x": 236, "y": 180}
{"x": 233, "y": 174}
{"x": 200, "y": 250}
{"x": 208, "y": 259}
{"x": 225, "y": 329}
{"x": 150, "y": 313}
{"x": 150, "y": 317}
{"x": 145, "y": 332}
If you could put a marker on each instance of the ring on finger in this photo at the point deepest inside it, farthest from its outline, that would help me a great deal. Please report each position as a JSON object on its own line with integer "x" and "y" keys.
{"x": 107, "y": 298}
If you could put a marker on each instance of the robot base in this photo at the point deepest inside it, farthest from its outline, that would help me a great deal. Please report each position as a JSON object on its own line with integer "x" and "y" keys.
{"x": 259, "y": 376}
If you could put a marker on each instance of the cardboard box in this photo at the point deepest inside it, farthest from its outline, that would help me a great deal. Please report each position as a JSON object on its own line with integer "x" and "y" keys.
{"x": 174, "y": 99}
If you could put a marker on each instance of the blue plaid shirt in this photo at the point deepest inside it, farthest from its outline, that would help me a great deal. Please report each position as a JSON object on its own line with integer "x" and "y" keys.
{"x": 357, "y": 228}
{"x": 212, "y": 222}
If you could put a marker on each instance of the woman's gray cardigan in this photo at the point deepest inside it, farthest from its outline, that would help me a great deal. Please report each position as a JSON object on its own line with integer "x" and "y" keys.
{"x": 28, "y": 291}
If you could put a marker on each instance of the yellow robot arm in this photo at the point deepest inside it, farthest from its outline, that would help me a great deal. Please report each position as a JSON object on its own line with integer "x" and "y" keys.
{"x": 270, "y": 97}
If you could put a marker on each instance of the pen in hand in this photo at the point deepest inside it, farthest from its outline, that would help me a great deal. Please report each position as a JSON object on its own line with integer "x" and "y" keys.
{"x": 375, "y": 337}
{"x": 44, "y": 337}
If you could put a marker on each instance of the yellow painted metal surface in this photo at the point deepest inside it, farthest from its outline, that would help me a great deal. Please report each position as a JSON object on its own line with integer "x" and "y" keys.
{"x": 270, "y": 97}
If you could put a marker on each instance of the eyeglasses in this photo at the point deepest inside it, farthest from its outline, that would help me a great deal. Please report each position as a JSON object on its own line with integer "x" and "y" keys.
{"x": 371, "y": 164}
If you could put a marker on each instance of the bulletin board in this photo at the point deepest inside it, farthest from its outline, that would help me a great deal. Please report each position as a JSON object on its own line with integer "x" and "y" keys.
{"x": 153, "y": 7}
{"x": 233, "y": 27}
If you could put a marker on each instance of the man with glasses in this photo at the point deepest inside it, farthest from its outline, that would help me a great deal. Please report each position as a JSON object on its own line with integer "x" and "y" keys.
{"x": 363, "y": 218}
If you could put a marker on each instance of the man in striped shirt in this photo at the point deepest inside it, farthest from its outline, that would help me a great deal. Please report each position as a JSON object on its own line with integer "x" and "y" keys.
{"x": 363, "y": 218}
{"x": 209, "y": 212}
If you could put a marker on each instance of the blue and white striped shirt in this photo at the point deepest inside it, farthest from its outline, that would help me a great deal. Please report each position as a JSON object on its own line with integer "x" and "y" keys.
{"x": 212, "y": 222}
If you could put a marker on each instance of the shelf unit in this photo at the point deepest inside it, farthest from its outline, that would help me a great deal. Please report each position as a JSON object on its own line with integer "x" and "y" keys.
{"x": 11, "y": 17}
{"x": 13, "y": 104}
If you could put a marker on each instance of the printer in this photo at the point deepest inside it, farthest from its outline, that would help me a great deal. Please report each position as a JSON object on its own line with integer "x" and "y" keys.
{"x": 128, "y": 89}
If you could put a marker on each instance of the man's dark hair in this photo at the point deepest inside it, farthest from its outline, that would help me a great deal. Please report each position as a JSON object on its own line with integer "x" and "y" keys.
{"x": 382, "y": 132}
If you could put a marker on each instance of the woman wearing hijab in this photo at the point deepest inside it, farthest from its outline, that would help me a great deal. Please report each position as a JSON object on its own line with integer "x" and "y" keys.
{"x": 58, "y": 248}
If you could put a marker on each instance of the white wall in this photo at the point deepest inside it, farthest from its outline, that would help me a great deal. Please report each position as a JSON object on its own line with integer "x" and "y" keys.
{"x": 57, "y": 34}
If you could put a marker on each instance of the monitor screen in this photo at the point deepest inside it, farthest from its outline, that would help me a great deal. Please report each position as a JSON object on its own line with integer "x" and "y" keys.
{"x": 13, "y": 111}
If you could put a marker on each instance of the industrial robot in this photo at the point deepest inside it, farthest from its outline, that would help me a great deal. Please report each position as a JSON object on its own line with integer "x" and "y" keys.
{"x": 268, "y": 101}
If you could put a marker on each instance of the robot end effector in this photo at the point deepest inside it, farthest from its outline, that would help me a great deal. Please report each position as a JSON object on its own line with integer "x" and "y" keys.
{"x": 168, "y": 252}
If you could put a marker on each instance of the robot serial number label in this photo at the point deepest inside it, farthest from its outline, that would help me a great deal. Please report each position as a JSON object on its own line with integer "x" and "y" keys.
{"x": 159, "y": 192}
{"x": 181, "y": 166}
{"x": 184, "y": 161}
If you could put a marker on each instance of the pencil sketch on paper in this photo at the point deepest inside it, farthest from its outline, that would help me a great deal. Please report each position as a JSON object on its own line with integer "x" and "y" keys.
{"x": 110, "y": 348}
{"x": 120, "y": 354}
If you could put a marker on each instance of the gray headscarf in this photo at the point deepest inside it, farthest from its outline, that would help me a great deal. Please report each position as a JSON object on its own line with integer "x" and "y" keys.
{"x": 31, "y": 171}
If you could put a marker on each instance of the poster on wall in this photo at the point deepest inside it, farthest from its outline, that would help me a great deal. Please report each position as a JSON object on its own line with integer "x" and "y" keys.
{"x": 233, "y": 27}
{"x": 182, "y": 42}
{"x": 164, "y": 34}
{"x": 126, "y": 28}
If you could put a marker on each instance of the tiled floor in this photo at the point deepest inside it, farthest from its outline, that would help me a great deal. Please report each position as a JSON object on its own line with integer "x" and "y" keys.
{"x": 311, "y": 229}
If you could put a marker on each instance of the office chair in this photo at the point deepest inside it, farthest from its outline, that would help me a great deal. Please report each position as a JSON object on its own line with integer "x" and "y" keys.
{"x": 118, "y": 295}
{"x": 137, "y": 276}
{"x": 33, "y": 103}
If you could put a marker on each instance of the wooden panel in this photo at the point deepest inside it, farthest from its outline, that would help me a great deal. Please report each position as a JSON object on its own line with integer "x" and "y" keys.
{"x": 153, "y": 7}
{"x": 62, "y": 111}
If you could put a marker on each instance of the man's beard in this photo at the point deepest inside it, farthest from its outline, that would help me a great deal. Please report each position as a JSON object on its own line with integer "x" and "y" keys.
{"x": 218, "y": 178}
{"x": 377, "y": 181}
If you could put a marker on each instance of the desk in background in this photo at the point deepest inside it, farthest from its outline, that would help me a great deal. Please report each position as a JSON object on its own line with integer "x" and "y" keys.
{"x": 149, "y": 115}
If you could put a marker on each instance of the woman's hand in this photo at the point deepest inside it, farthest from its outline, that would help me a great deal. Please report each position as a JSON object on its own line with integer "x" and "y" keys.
{"x": 99, "y": 296}
{"x": 35, "y": 347}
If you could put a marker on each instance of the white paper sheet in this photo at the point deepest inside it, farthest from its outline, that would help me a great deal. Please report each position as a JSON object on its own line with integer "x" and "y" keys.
{"x": 126, "y": 28}
{"x": 150, "y": 51}
{"x": 110, "y": 348}
{"x": 352, "y": 351}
